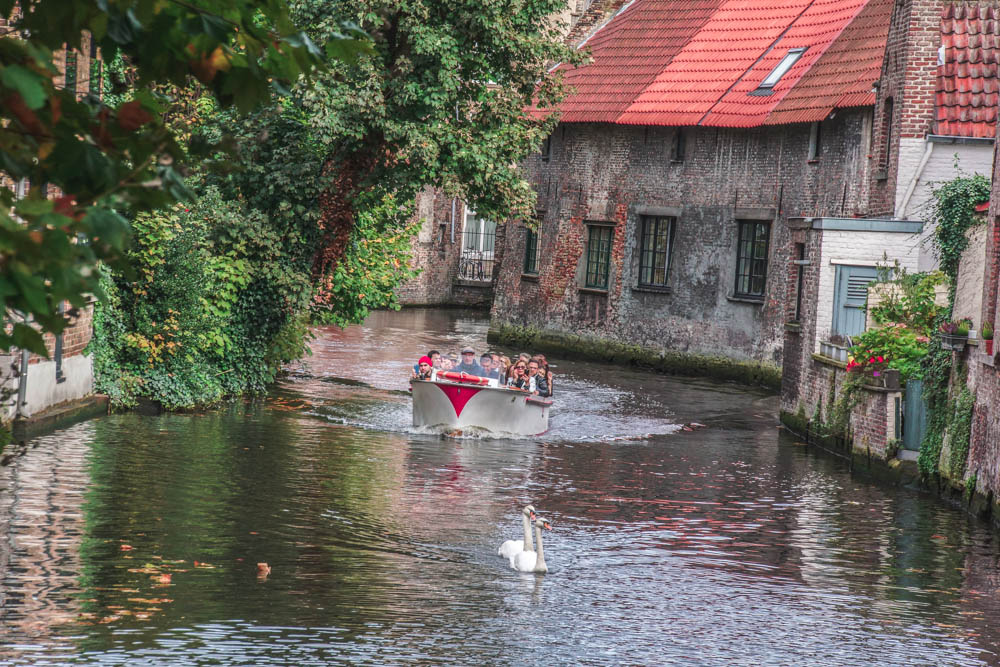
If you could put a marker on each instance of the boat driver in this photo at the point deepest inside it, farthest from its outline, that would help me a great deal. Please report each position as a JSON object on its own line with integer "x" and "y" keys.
{"x": 469, "y": 364}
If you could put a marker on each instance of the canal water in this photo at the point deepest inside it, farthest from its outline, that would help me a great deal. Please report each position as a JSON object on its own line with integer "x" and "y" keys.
{"x": 133, "y": 539}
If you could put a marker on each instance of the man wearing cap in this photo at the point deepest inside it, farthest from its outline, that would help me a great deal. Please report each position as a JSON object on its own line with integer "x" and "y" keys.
{"x": 424, "y": 369}
{"x": 469, "y": 364}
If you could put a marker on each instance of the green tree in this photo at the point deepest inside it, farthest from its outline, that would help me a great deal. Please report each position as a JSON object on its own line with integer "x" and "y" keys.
{"x": 440, "y": 101}
{"x": 109, "y": 162}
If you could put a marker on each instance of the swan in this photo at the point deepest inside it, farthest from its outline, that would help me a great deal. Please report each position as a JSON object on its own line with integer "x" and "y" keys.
{"x": 511, "y": 548}
{"x": 533, "y": 561}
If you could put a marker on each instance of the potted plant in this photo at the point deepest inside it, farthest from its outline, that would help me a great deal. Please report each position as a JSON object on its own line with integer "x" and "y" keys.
{"x": 954, "y": 335}
{"x": 988, "y": 337}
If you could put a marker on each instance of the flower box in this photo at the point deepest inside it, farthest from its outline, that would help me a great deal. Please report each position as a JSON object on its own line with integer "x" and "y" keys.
{"x": 833, "y": 351}
{"x": 953, "y": 341}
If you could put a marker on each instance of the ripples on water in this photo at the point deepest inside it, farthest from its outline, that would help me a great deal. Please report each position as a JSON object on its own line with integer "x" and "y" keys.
{"x": 136, "y": 540}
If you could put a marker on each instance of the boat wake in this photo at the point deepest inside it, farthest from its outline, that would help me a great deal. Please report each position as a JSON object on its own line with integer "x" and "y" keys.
{"x": 584, "y": 411}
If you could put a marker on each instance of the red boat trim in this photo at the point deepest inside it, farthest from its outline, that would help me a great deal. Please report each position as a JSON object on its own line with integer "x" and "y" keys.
{"x": 458, "y": 396}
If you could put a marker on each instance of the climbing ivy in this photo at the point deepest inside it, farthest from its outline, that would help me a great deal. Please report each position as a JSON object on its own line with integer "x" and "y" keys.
{"x": 949, "y": 401}
{"x": 954, "y": 212}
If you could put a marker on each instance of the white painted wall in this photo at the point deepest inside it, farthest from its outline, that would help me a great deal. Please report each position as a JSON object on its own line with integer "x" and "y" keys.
{"x": 922, "y": 164}
{"x": 857, "y": 249}
{"x": 971, "y": 268}
{"x": 43, "y": 390}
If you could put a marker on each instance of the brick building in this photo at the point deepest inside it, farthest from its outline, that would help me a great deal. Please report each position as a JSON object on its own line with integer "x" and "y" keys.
{"x": 697, "y": 132}
{"x": 936, "y": 102}
{"x": 67, "y": 374}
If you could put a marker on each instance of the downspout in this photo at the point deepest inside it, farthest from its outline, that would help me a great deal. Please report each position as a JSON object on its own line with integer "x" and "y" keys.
{"x": 911, "y": 188}
{"x": 453, "y": 219}
{"x": 22, "y": 382}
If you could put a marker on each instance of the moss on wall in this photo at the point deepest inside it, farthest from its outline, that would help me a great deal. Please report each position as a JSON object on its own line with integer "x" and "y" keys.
{"x": 569, "y": 346}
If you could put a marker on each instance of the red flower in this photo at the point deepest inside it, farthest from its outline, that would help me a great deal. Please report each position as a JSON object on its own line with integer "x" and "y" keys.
{"x": 880, "y": 360}
{"x": 872, "y": 360}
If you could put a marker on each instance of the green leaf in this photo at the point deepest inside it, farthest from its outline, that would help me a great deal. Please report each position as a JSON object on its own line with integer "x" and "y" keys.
{"x": 28, "y": 338}
{"x": 26, "y": 82}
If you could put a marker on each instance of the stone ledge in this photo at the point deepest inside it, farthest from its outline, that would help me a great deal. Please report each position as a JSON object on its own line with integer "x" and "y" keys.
{"x": 829, "y": 361}
{"x": 59, "y": 416}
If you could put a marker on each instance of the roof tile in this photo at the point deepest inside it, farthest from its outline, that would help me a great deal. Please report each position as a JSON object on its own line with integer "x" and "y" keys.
{"x": 691, "y": 62}
{"x": 967, "y": 81}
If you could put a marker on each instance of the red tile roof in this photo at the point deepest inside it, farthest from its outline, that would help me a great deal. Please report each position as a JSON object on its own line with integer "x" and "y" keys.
{"x": 701, "y": 62}
{"x": 967, "y": 80}
{"x": 628, "y": 53}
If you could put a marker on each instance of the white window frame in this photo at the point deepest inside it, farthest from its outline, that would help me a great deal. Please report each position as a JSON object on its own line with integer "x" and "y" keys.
{"x": 792, "y": 57}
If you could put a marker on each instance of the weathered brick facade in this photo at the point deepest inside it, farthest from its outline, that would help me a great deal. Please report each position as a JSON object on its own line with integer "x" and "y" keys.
{"x": 613, "y": 174}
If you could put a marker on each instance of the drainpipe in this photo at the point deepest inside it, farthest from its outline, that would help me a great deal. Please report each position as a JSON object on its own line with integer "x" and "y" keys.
{"x": 22, "y": 382}
{"x": 928, "y": 149}
{"x": 453, "y": 200}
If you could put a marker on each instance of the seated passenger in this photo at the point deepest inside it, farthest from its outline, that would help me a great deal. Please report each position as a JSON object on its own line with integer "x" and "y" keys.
{"x": 537, "y": 384}
{"x": 517, "y": 378}
{"x": 545, "y": 369}
{"x": 486, "y": 361}
{"x": 424, "y": 369}
{"x": 469, "y": 364}
{"x": 504, "y": 367}
{"x": 435, "y": 358}
{"x": 446, "y": 364}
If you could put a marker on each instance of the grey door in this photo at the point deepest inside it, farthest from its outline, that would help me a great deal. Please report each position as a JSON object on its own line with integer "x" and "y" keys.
{"x": 850, "y": 296}
{"x": 914, "y": 415}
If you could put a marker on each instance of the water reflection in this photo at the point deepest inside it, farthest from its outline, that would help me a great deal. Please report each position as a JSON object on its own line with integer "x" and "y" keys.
{"x": 136, "y": 539}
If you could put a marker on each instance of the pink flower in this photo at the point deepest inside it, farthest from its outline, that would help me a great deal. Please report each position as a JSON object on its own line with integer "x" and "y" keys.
{"x": 880, "y": 360}
{"x": 875, "y": 374}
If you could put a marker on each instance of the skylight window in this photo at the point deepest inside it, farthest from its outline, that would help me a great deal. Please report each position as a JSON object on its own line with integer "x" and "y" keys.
{"x": 779, "y": 71}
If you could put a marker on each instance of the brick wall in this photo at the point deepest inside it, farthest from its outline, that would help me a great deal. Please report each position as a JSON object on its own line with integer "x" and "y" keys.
{"x": 76, "y": 336}
{"x": 984, "y": 375}
{"x": 611, "y": 174}
{"x": 433, "y": 251}
{"x": 908, "y": 79}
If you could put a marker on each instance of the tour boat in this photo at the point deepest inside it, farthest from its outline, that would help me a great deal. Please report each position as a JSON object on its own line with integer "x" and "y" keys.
{"x": 462, "y": 401}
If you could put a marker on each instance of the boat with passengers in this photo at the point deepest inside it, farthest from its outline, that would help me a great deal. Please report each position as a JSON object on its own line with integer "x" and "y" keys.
{"x": 458, "y": 400}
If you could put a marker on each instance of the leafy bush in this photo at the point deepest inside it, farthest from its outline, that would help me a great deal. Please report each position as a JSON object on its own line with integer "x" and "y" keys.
{"x": 892, "y": 346}
{"x": 910, "y": 300}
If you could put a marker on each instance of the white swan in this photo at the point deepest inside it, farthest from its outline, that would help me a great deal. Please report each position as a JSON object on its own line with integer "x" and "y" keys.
{"x": 511, "y": 548}
{"x": 533, "y": 561}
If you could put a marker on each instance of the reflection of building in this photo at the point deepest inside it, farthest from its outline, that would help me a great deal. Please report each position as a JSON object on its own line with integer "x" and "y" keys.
{"x": 41, "y": 527}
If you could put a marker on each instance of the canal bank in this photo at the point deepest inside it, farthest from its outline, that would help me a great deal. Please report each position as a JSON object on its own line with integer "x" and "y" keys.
{"x": 581, "y": 346}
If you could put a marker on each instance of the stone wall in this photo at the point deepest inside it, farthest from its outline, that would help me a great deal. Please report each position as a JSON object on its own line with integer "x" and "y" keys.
{"x": 614, "y": 174}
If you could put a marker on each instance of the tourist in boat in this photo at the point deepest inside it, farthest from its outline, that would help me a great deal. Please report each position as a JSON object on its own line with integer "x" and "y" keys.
{"x": 489, "y": 371}
{"x": 518, "y": 379}
{"x": 504, "y": 367}
{"x": 544, "y": 369}
{"x": 435, "y": 358}
{"x": 425, "y": 368}
{"x": 537, "y": 383}
{"x": 469, "y": 364}
{"x": 446, "y": 364}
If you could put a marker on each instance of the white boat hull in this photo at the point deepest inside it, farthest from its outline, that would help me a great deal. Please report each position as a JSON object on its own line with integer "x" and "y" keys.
{"x": 458, "y": 405}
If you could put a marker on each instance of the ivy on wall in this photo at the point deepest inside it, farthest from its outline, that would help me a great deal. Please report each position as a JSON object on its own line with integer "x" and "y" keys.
{"x": 949, "y": 400}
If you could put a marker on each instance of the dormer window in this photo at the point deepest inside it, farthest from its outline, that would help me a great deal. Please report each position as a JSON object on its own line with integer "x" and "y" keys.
{"x": 786, "y": 63}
